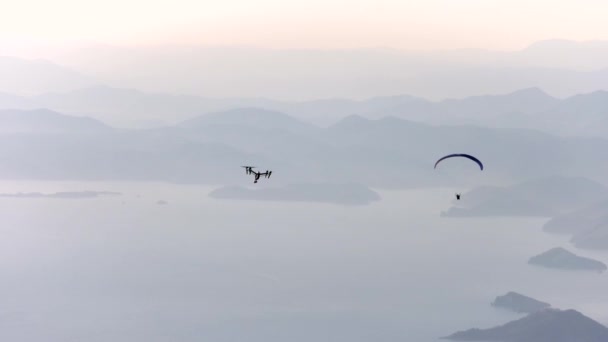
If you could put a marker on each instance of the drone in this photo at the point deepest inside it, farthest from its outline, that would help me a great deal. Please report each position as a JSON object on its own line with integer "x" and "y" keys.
{"x": 249, "y": 170}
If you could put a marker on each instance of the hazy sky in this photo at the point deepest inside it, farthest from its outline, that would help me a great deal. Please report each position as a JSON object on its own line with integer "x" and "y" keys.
{"x": 428, "y": 24}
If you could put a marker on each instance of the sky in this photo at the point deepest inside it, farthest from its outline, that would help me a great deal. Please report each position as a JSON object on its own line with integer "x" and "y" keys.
{"x": 402, "y": 24}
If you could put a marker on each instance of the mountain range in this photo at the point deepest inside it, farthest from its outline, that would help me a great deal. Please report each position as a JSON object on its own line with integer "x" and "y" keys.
{"x": 562, "y": 68}
{"x": 580, "y": 115}
{"x": 388, "y": 152}
{"x": 167, "y": 85}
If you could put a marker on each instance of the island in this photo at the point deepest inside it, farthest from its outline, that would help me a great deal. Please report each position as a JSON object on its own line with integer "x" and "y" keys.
{"x": 68, "y": 194}
{"x": 562, "y": 259}
{"x": 533, "y": 198}
{"x": 343, "y": 194}
{"x": 519, "y": 303}
{"x": 568, "y": 224}
{"x": 579, "y": 220}
{"x": 549, "y": 325}
{"x": 594, "y": 238}
{"x": 588, "y": 226}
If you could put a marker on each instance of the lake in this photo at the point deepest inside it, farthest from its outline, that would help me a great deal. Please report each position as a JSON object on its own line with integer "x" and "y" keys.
{"x": 197, "y": 269}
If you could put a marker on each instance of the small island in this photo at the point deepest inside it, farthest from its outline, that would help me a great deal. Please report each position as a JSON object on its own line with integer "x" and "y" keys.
{"x": 549, "y": 325}
{"x": 519, "y": 303}
{"x": 67, "y": 194}
{"x": 343, "y": 194}
{"x": 562, "y": 259}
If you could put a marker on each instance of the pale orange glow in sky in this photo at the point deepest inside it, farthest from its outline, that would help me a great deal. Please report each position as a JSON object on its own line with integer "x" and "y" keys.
{"x": 403, "y": 24}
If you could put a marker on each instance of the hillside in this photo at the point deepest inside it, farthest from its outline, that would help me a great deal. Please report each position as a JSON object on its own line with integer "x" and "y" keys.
{"x": 384, "y": 153}
{"x": 46, "y": 121}
{"x": 588, "y": 226}
{"x": 550, "y": 325}
{"x": 546, "y": 197}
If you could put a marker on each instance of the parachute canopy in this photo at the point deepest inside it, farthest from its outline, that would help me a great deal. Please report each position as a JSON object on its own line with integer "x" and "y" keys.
{"x": 461, "y": 155}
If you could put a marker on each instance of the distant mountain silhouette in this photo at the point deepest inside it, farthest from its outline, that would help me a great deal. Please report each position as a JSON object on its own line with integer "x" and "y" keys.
{"x": 528, "y": 100}
{"x": 251, "y": 117}
{"x": 133, "y": 108}
{"x": 561, "y": 68}
{"x": 529, "y": 108}
{"x": 550, "y": 325}
{"x": 562, "y": 259}
{"x": 119, "y": 155}
{"x": 386, "y": 153}
{"x": 62, "y": 195}
{"x": 579, "y": 220}
{"x": 10, "y": 101}
{"x": 593, "y": 238}
{"x": 546, "y": 197}
{"x": 519, "y": 303}
{"x": 46, "y": 121}
{"x": 588, "y": 226}
{"x": 561, "y": 53}
{"x": 329, "y": 111}
{"x": 31, "y": 77}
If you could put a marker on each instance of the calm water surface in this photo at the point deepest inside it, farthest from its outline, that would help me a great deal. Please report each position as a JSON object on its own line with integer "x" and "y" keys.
{"x": 127, "y": 269}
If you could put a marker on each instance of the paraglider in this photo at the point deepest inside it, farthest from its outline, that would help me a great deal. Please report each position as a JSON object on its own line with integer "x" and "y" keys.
{"x": 460, "y": 155}
{"x": 463, "y": 155}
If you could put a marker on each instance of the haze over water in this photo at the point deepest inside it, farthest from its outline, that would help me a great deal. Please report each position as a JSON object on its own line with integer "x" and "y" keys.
{"x": 127, "y": 269}
{"x": 336, "y": 98}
